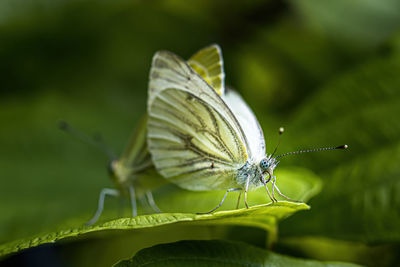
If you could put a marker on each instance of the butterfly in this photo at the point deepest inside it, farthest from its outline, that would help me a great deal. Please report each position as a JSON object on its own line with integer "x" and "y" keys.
{"x": 202, "y": 136}
{"x": 133, "y": 173}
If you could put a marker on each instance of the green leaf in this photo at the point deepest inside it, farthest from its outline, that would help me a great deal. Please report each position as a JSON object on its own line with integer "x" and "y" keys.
{"x": 264, "y": 216}
{"x": 360, "y": 200}
{"x": 321, "y": 248}
{"x": 215, "y": 253}
{"x": 297, "y": 183}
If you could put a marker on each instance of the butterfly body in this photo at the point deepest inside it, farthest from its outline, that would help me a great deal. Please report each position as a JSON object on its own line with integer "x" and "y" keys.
{"x": 119, "y": 174}
{"x": 125, "y": 176}
{"x": 253, "y": 173}
{"x": 249, "y": 176}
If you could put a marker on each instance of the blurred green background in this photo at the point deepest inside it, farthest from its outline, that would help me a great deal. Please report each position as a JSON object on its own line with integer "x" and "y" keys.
{"x": 328, "y": 71}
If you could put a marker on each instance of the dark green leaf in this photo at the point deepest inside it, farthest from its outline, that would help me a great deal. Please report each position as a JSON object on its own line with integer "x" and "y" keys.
{"x": 215, "y": 253}
{"x": 322, "y": 248}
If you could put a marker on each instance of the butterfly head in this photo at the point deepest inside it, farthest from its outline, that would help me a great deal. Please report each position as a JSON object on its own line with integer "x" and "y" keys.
{"x": 118, "y": 172}
{"x": 268, "y": 165}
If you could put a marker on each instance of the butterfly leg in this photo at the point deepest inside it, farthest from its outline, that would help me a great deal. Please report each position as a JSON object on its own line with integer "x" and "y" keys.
{"x": 245, "y": 191}
{"x": 133, "y": 200}
{"x": 143, "y": 201}
{"x": 151, "y": 201}
{"x": 238, "y": 201}
{"x": 266, "y": 187}
{"x": 273, "y": 198}
{"x": 104, "y": 192}
{"x": 279, "y": 192}
{"x": 223, "y": 199}
{"x": 273, "y": 188}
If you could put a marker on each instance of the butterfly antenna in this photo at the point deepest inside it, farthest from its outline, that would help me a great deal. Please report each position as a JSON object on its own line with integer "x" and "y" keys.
{"x": 313, "y": 150}
{"x": 98, "y": 138}
{"x": 281, "y": 130}
{"x": 95, "y": 141}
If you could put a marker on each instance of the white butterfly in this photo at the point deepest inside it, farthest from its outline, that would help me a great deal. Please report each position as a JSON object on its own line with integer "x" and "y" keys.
{"x": 201, "y": 138}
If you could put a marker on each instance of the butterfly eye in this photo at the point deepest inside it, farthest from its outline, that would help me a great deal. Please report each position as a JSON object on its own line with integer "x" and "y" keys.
{"x": 264, "y": 164}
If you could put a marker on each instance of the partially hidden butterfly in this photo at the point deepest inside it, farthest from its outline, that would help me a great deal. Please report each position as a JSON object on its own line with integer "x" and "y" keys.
{"x": 202, "y": 137}
{"x": 133, "y": 173}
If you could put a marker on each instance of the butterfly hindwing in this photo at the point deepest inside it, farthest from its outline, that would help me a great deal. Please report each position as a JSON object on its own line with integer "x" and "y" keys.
{"x": 193, "y": 137}
{"x": 208, "y": 63}
{"x": 248, "y": 121}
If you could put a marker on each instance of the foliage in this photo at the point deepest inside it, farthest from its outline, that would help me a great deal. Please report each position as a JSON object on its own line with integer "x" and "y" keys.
{"x": 325, "y": 70}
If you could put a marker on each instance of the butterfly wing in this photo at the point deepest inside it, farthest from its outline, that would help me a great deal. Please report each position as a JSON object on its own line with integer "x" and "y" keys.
{"x": 193, "y": 137}
{"x": 248, "y": 121}
{"x": 136, "y": 154}
{"x": 208, "y": 63}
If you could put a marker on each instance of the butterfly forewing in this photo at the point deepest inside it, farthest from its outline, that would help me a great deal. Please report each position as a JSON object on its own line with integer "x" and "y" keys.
{"x": 208, "y": 63}
{"x": 193, "y": 137}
